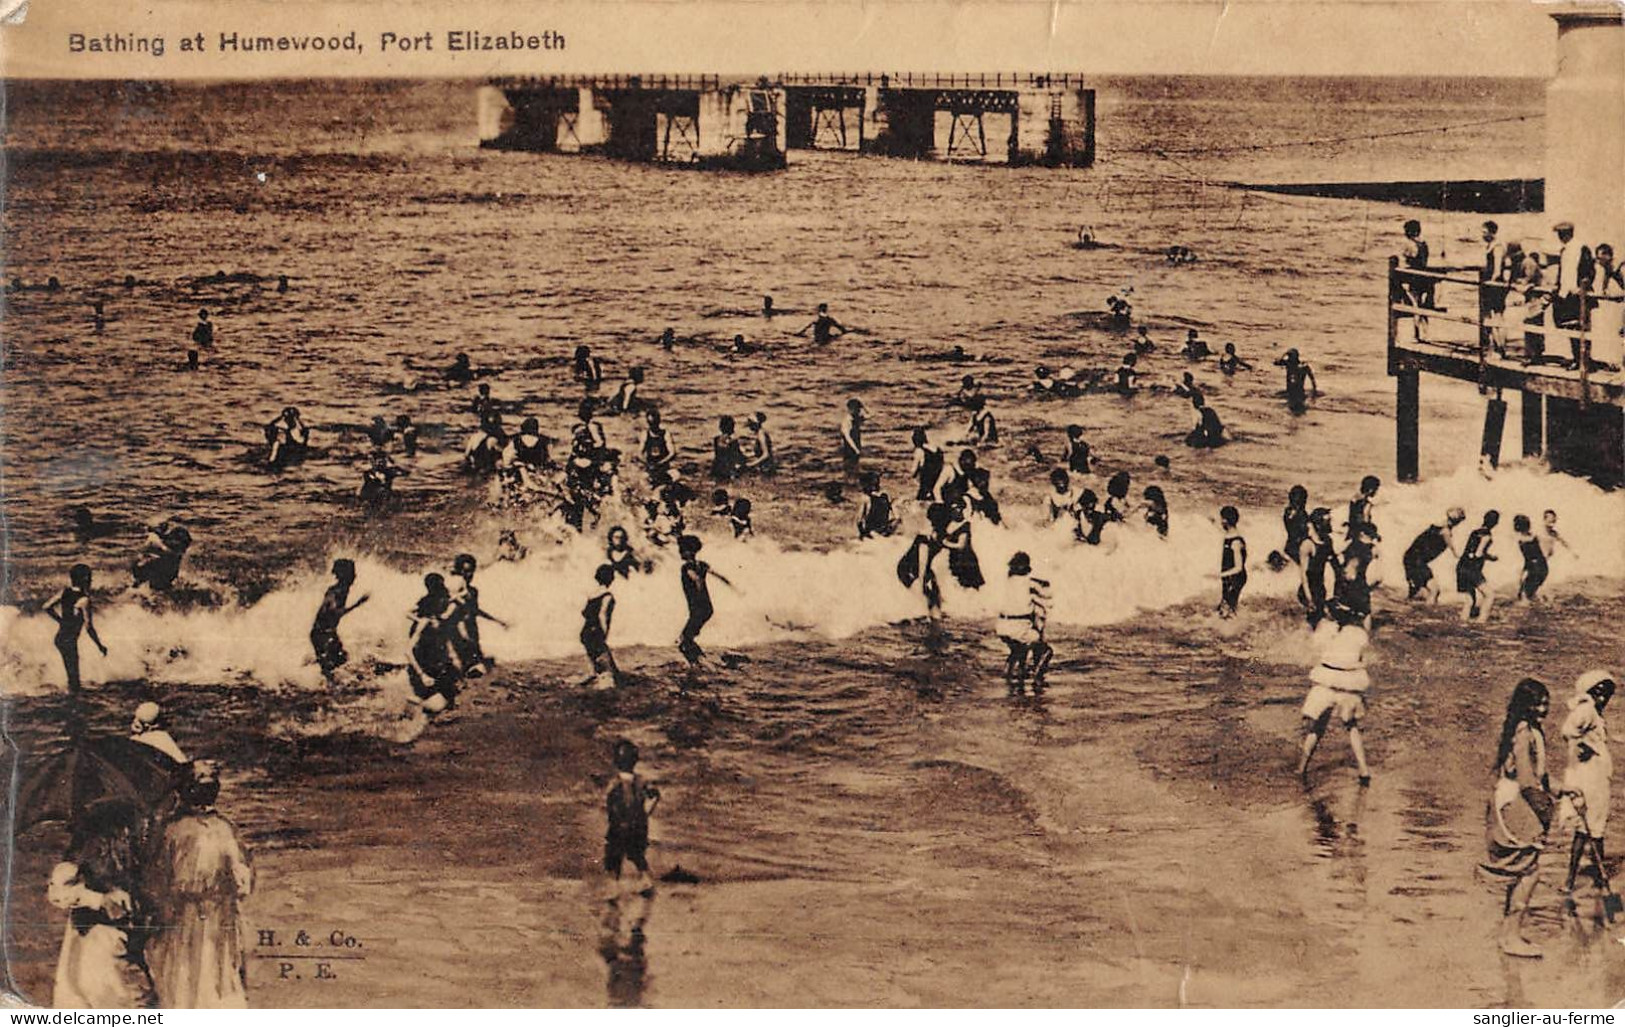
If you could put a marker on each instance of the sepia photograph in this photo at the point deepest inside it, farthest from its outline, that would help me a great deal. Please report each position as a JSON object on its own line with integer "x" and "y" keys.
{"x": 868, "y": 505}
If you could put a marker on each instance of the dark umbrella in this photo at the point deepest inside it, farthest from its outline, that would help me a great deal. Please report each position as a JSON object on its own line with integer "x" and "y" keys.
{"x": 62, "y": 786}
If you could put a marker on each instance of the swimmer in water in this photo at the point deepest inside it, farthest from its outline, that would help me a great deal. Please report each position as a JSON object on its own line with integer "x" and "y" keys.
{"x": 407, "y": 433}
{"x": 1187, "y": 387}
{"x": 929, "y": 464}
{"x": 852, "y": 435}
{"x": 969, "y": 392}
{"x": 1433, "y": 542}
{"x": 658, "y": 449}
{"x": 336, "y": 605}
{"x": 1550, "y": 539}
{"x": 1232, "y": 564}
{"x": 1535, "y": 567}
{"x": 1231, "y": 362}
{"x": 588, "y": 430}
{"x": 466, "y": 619}
{"x": 192, "y": 360}
{"x": 1078, "y": 459}
{"x": 1090, "y": 518}
{"x": 759, "y": 455}
{"x": 595, "y": 621}
{"x": 739, "y": 518}
{"x": 281, "y": 283}
{"x": 99, "y": 315}
{"x": 1122, "y": 312}
{"x": 739, "y": 347}
{"x": 668, "y": 339}
{"x": 696, "y": 575}
{"x": 626, "y": 398}
{"x": 378, "y": 481}
{"x": 767, "y": 307}
{"x": 1295, "y": 519}
{"x": 876, "y": 518}
{"x": 1321, "y": 559}
{"x": 1156, "y": 510}
{"x": 1470, "y": 569}
{"x": 1360, "y": 507}
{"x": 1127, "y": 376}
{"x": 1357, "y": 574}
{"x": 586, "y": 368}
{"x": 203, "y": 331}
{"x": 74, "y": 615}
{"x": 1117, "y": 506}
{"x": 147, "y": 727}
{"x": 824, "y": 327}
{"x": 619, "y": 555}
{"x": 983, "y": 429}
{"x": 509, "y": 548}
{"x": 1298, "y": 374}
{"x": 727, "y": 457}
{"x": 1196, "y": 347}
{"x": 1209, "y": 430}
{"x": 1086, "y": 238}
{"x": 1143, "y": 343}
{"x": 1061, "y": 500}
{"x": 432, "y": 672}
{"x": 159, "y": 563}
{"x": 461, "y": 372}
{"x": 1021, "y": 624}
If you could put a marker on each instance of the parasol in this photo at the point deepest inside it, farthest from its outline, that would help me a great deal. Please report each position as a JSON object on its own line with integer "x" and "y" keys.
{"x": 60, "y": 787}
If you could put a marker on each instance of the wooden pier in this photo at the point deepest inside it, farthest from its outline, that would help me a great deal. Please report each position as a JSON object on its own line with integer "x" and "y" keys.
{"x": 742, "y": 123}
{"x": 1572, "y": 412}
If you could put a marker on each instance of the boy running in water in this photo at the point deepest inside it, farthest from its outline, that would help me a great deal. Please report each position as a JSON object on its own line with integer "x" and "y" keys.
{"x": 1470, "y": 569}
{"x": 595, "y": 620}
{"x": 72, "y": 612}
{"x": 697, "y": 593}
{"x": 629, "y": 803}
{"x": 1233, "y": 565}
{"x": 466, "y": 633}
{"x": 324, "y": 633}
{"x": 1431, "y": 544}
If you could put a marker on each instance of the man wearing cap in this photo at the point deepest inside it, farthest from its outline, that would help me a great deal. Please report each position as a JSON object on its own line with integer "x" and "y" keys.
{"x": 1575, "y": 269}
{"x": 1587, "y": 778}
{"x": 144, "y": 728}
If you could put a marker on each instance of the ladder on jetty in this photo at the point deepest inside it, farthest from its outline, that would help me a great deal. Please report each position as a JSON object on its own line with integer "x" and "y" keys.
{"x": 1570, "y": 379}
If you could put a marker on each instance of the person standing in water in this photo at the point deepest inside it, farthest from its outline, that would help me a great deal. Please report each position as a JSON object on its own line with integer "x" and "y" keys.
{"x": 761, "y": 457}
{"x": 73, "y": 615}
{"x": 929, "y": 464}
{"x": 852, "y": 435}
{"x": 628, "y": 805}
{"x": 1470, "y": 569}
{"x": 1021, "y": 627}
{"x": 727, "y": 456}
{"x": 1520, "y": 811}
{"x": 658, "y": 449}
{"x": 1535, "y": 567}
{"x": 1295, "y": 519}
{"x": 1298, "y": 374}
{"x": 1357, "y": 574}
{"x": 1322, "y": 557}
{"x": 824, "y": 327}
{"x": 324, "y": 633}
{"x": 432, "y": 671}
{"x": 1361, "y": 505}
{"x": 595, "y": 621}
{"x": 696, "y": 575}
{"x": 1338, "y": 686}
{"x": 467, "y": 616}
{"x": 1231, "y": 361}
{"x": 875, "y": 518}
{"x": 1232, "y": 563}
{"x": 203, "y": 331}
{"x": 1431, "y": 544}
{"x": 625, "y": 400}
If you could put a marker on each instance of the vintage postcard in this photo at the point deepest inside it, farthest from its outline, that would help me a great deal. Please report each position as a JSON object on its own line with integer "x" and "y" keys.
{"x": 744, "y": 504}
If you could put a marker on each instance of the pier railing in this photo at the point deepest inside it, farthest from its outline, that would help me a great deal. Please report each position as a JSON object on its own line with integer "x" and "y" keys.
{"x": 1437, "y": 328}
{"x": 892, "y": 80}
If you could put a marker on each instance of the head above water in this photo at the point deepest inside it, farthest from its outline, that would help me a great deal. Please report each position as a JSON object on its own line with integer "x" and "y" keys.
{"x": 1153, "y": 494}
{"x": 530, "y": 426}
{"x": 725, "y": 424}
{"x": 1021, "y": 563}
{"x": 584, "y": 409}
{"x": 823, "y": 308}
{"x": 1074, "y": 431}
{"x": 1413, "y": 228}
{"x": 869, "y": 481}
{"x": 918, "y": 437}
{"x": 1117, "y": 486}
{"x": 854, "y": 405}
{"x": 434, "y": 584}
{"x": 688, "y": 545}
{"x": 1088, "y": 500}
{"x": 79, "y": 576}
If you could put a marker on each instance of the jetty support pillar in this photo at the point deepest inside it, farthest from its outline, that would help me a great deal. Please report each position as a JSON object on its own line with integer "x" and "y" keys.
{"x": 1408, "y": 414}
{"x": 1534, "y": 424}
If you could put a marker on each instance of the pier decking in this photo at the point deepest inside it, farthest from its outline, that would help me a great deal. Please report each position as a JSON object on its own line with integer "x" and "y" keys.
{"x": 750, "y": 123}
{"x": 1572, "y": 412}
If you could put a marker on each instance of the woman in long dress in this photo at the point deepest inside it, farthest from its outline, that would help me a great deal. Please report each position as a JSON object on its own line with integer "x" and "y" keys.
{"x": 1520, "y": 811}
{"x": 101, "y": 966}
{"x": 198, "y": 878}
{"x": 1588, "y": 774}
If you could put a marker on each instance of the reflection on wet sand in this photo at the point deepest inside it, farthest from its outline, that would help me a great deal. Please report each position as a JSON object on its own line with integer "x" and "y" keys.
{"x": 621, "y": 943}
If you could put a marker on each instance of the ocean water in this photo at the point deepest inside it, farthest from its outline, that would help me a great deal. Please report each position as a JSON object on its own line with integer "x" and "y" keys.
{"x": 852, "y": 766}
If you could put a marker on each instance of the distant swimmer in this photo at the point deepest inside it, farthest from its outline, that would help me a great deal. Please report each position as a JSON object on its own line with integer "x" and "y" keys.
{"x": 739, "y": 518}
{"x": 203, "y": 331}
{"x": 619, "y": 554}
{"x": 432, "y": 672}
{"x": 983, "y": 429}
{"x": 288, "y": 439}
{"x": 87, "y": 529}
{"x": 658, "y": 449}
{"x": 1142, "y": 341}
{"x": 1061, "y": 500}
{"x": 336, "y": 605}
{"x": 767, "y": 307}
{"x": 668, "y": 339}
{"x": 73, "y": 613}
{"x": 1298, "y": 374}
{"x": 1121, "y": 311}
{"x": 1090, "y": 518}
{"x": 1127, "y": 377}
{"x": 587, "y": 429}
{"x": 1180, "y": 255}
{"x": 1187, "y": 387}
{"x": 378, "y": 481}
{"x": 482, "y": 454}
{"x": 281, "y": 283}
{"x": 1156, "y": 509}
{"x": 1117, "y": 506}
{"x": 1061, "y": 384}
{"x": 1322, "y": 559}
{"x": 1433, "y": 542}
{"x": 824, "y": 327}
{"x": 586, "y": 368}
{"x": 192, "y": 362}
{"x": 929, "y": 464}
{"x": 1232, "y": 563}
{"x": 527, "y": 455}
{"x": 1208, "y": 432}
{"x": 760, "y": 457}
{"x": 378, "y": 432}
{"x": 969, "y": 392}
{"x": 1078, "y": 458}
{"x": 1023, "y": 616}
{"x": 971, "y": 484}
{"x": 129, "y": 282}
{"x": 1338, "y": 685}
{"x": 1196, "y": 347}
{"x": 159, "y": 563}
{"x": 98, "y": 315}
{"x": 625, "y": 400}
{"x": 1295, "y": 519}
{"x": 1470, "y": 569}
{"x": 659, "y": 526}
{"x": 596, "y": 617}
{"x": 483, "y": 406}
{"x": 1231, "y": 361}
{"x": 876, "y": 518}
{"x": 407, "y": 433}
{"x": 852, "y": 434}
{"x": 696, "y": 575}
{"x": 1086, "y": 238}
{"x": 466, "y": 617}
{"x": 1361, "y": 507}
{"x": 1535, "y": 568}
{"x": 461, "y": 371}
{"x": 727, "y": 455}
{"x": 147, "y": 728}
{"x": 740, "y": 347}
